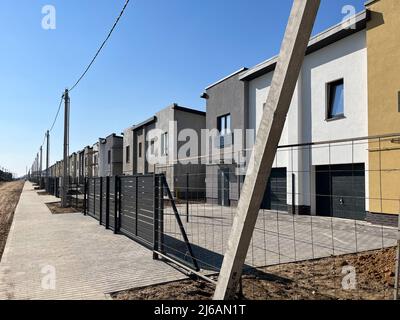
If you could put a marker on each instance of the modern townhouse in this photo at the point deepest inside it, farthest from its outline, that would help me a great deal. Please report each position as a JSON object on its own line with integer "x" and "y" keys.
{"x": 110, "y": 156}
{"x": 80, "y": 164}
{"x": 161, "y": 137}
{"x": 334, "y": 97}
{"x": 383, "y": 57}
{"x": 95, "y": 160}
{"x": 73, "y": 168}
{"x": 88, "y": 164}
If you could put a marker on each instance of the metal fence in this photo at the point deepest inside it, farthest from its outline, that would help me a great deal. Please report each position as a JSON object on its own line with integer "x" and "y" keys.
{"x": 327, "y": 228}
{"x": 330, "y": 208}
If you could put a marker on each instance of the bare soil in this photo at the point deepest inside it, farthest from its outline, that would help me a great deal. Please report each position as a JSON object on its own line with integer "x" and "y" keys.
{"x": 310, "y": 280}
{"x": 55, "y": 208}
{"x": 10, "y": 193}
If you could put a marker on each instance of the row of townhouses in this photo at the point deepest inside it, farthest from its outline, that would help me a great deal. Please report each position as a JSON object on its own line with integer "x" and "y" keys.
{"x": 348, "y": 90}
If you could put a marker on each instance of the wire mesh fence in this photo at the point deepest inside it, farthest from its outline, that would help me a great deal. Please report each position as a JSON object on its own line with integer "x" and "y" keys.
{"x": 327, "y": 226}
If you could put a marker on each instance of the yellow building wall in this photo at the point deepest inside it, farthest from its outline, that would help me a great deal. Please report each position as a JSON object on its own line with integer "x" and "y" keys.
{"x": 383, "y": 43}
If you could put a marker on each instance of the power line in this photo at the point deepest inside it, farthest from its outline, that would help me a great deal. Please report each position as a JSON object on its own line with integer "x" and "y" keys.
{"x": 58, "y": 112}
{"x": 101, "y": 47}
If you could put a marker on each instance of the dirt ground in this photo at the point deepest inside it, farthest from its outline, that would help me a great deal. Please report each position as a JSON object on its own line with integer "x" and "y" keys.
{"x": 9, "y": 197}
{"x": 55, "y": 208}
{"x": 311, "y": 280}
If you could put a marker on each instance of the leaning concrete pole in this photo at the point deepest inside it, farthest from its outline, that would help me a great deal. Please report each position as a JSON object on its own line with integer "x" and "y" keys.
{"x": 284, "y": 81}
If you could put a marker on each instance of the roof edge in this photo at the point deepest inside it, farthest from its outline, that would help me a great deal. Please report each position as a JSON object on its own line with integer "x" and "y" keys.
{"x": 227, "y": 77}
{"x": 317, "y": 42}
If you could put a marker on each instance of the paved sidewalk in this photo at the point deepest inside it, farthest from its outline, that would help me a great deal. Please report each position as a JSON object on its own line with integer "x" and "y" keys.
{"x": 89, "y": 261}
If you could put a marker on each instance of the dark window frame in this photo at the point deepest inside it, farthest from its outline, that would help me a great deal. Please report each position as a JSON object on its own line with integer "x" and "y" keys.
{"x": 128, "y": 154}
{"x": 329, "y": 116}
{"x": 226, "y": 130}
{"x": 140, "y": 153}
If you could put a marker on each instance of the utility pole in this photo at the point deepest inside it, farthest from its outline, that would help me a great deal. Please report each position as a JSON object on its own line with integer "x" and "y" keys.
{"x": 286, "y": 74}
{"x": 64, "y": 203}
{"x": 41, "y": 166}
{"x": 47, "y": 156}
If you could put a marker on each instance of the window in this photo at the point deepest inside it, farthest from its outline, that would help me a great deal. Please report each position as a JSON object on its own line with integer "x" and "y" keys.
{"x": 140, "y": 150}
{"x": 109, "y": 157}
{"x": 152, "y": 150}
{"x": 164, "y": 144}
{"x": 224, "y": 128}
{"x": 335, "y": 91}
{"x": 128, "y": 154}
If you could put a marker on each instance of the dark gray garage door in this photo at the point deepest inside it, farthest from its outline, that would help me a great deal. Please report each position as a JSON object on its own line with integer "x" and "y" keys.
{"x": 275, "y": 197}
{"x": 340, "y": 191}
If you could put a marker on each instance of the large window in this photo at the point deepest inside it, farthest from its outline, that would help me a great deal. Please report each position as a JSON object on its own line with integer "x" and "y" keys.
{"x": 164, "y": 144}
{"x": 224, "y": 128}
{"x": 128, "y": 154}
{"x": 335, "y": 91}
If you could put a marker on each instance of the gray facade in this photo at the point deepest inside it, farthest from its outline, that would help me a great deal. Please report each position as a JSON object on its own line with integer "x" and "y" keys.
{"x": 226, "y": 97}
{"x": 110, "y": 156}
{"x": 169, "y": 122}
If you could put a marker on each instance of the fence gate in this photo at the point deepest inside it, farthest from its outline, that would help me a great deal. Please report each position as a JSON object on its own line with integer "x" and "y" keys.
{"x": 139, "y": 209}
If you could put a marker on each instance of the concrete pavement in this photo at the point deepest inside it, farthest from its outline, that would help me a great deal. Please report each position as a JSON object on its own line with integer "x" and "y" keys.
{"x": 69, "y": 256}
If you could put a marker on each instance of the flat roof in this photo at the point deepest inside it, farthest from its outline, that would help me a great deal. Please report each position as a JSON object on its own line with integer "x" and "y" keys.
{"x": 227, "y": 77}
{"x": 145, "y": 123}
{"x": 189, "y": 110}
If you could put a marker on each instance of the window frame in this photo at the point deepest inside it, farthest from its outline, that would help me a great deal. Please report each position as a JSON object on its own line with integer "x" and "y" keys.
{"x": 164, "y": 144}
{"x": 329, "y": 103}
{"x": 128, "y": 154}
{"x": 140, "y": 151}
{"x": 224, "y": 127}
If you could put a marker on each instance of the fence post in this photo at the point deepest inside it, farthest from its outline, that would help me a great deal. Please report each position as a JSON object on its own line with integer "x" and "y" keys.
{"x": 187, "y": 197}
{"x": 94, "y": 197}
{"x": 161, "y": 212}
{"x": 116, "y": 205}
{"x": 293, "y": 194}
{"x": 107, "y": 202}
{"x": 136, "y": 205}
{"x": 119, "y": 202}
{"x": 155, "y": 219}
{"x": 101, "y": 201}
{"x": 85, "y": 197}
{"x": 397, "y": 277}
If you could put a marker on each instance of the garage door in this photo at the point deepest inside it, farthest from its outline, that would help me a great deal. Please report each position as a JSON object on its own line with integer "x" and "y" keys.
{"x": 275, "y": 197}
{"x": 340, "y": 191}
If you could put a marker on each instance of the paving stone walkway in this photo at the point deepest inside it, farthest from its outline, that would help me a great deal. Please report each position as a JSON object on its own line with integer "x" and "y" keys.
{"x": 69, "y": 256}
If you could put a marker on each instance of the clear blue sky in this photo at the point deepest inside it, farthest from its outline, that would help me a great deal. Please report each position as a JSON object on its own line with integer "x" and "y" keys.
{"x": 163, "y": 51}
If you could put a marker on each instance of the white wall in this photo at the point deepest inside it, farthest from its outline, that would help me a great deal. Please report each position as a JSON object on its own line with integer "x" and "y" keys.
{"x": 306, "y": 121}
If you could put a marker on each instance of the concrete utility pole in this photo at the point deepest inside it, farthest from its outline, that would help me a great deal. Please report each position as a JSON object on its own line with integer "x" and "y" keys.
{"x": 40, "y": 166}
{"x": 47, "y": 156}
{"x": 64, "y": 201}
{"x": 284, "y": 81}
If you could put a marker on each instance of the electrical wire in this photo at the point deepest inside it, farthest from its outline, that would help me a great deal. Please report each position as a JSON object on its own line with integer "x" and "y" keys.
{"x": 88, "y": 67}
{"x": 58, "y": 112}
{"x": 101, "y": 47}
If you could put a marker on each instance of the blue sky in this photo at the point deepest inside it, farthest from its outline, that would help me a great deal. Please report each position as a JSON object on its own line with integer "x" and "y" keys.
{"x": 163, "y": 51}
